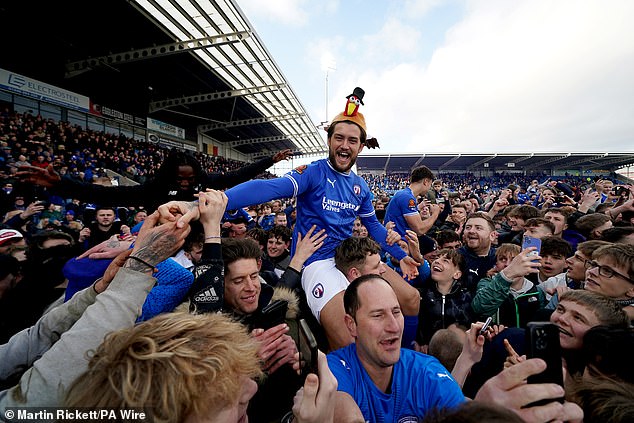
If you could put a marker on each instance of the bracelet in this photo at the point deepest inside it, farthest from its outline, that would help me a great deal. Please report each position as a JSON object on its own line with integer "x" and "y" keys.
{"x": 213, "y": 237}
{"x": 142, "y": 261}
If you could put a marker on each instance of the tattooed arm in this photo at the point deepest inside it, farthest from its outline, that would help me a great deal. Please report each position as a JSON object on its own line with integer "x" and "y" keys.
{"x": 155, "y": 243}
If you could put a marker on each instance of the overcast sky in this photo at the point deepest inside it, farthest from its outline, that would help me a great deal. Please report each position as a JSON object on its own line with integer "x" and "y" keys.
{"x": 461, "y": 76}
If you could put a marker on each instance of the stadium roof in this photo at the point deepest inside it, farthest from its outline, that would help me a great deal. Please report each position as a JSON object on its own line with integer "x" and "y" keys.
{"x": 496, "y": 162}
{"x": 196, "y": 64}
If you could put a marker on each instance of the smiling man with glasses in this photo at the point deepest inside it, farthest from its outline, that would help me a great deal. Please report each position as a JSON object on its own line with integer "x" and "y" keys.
{"x": 611, "y": 273}
{"x": 578, "y": 262}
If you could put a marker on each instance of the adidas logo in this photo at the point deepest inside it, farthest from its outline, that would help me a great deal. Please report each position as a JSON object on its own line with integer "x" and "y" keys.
{"x": 207, "y": 296}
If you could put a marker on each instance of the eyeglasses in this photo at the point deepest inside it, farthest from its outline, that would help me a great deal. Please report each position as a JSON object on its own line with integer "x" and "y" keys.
{"x": 586, "y": 263}
{"x": 606, "y": 271}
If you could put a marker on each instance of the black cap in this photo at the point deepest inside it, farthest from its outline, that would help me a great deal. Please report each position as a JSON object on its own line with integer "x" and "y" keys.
{"x": 358, "y": 93}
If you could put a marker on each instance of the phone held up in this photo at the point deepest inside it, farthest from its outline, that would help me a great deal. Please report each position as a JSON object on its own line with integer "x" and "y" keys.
{"x": 308, "y": 355}
{"x": 542, "y": 341}
{"x": 272, "y": 315}
{"x": 529, "y": 241}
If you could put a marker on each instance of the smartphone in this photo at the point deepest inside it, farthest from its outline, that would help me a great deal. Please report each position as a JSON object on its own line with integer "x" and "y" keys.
{"x": 272, "y": 315}
{"x": 529, "y": 241}
{"x": 542, "y": 341}
{"x": 620, "y": 191}
{"x": 308, "y": 355}
{"x": 487, "y": 323}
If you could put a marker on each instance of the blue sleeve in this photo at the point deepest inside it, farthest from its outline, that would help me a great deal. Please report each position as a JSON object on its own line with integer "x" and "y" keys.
{"x": 424, "y": 271}
{"x": 407, "y": 205}
{"x": 446, "y": 391}
{"x": 246, "y": 215}
{"x": 341, "y": 373}
{"x": 259, "y": 191}
{"x": 379, "y": 233}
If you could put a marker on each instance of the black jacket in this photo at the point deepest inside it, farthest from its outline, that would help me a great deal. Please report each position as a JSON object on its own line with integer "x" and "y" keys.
{"x": 156, "y": 191}
{"x": 438, "y": 311}
{"x": 476, "y": 267}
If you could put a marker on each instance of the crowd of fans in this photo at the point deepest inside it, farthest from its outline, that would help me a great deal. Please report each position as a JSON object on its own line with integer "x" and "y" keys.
{"x": 84, "y": 154}
{"x": 177, "y": 314}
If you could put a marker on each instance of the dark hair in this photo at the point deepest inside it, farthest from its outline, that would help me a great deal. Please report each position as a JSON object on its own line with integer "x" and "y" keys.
{"x": 525, "y": 212}
{"x": 552, "y": 245}
{"x": 445, "y": 236}
{"x": 607, "y": 350}
{"x": 588, "y": 223}
{"x": 617, "y": 234}
{"x": 534, "y": 222}
{"x": 601, "y": 208}
{"x": 235, "y": 249}
{"x": 420, "y": 173}
{"x": 454, "y": 256}
{"x": 259, "y": 235}
{"x": 558, "y": 210}
{"x": 238, "y": 220}
{"x": 112, "y": 209}
{"x": 37, "y": 240}
{"x": 331, "y": 130}
{"x": 604, "y": 400}
{"x": 353, "y": 251}
{"x": 195, "y": 237}
{"x": 168, "y": 171}
{"x": 351, "y": 302}
{"x": 282, "y": 232}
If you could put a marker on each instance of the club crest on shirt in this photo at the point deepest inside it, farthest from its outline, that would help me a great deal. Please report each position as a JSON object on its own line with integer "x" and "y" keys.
{"x": 411, "y": 203}
{"x": 318, "y": 291}
{"x": 408, "y": 419}
{"x": 300, "y": 169}
{"x": 356, "y": 189}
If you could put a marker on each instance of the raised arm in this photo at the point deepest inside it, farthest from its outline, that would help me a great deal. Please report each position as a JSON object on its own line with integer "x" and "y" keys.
{"x": 46, "y": 382}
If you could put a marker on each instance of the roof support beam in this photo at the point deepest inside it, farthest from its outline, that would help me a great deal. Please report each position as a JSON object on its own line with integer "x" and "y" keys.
{"x": 521, "y": 159}
{"x": 265, "y": 140}
{"x": 622, "y": 160}
{"x": 551, "y": 160}
{"x": 258, "y": 156}
{"x": 80, "y": 66}
{"x": 387, "y": 163}
{"x": 204, "y": 98}
{"x": 483, "y": 161}
{"x": 419, "y": 161}
{"x": 576, "y": 162}
{"x": 448, "y": 162}
{"x": 245, "y": 122}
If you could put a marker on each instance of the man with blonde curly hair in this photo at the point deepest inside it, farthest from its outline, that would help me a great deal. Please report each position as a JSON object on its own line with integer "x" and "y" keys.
{"x": 178, "y": 366}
